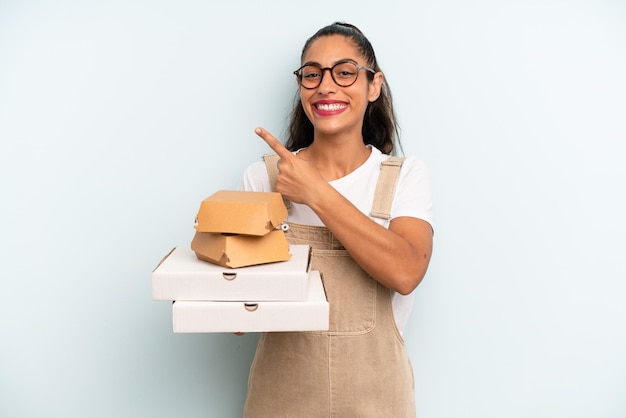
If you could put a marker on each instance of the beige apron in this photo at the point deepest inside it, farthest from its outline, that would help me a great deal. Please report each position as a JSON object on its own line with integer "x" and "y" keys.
{"x": 359, "y": 368}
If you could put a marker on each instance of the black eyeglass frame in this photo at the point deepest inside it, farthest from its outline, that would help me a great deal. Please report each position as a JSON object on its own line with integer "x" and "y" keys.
{"x": 298, "y": 74}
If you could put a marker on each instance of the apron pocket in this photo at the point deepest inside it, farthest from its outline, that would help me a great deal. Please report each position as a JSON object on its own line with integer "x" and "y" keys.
{"x": 351, "y": 292}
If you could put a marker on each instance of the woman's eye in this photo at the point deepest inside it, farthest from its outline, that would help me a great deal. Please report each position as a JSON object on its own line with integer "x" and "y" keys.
{"x": 344, "y": 74}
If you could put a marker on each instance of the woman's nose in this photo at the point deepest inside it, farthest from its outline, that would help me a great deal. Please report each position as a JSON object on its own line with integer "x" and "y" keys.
{"x": 327, "y": 85}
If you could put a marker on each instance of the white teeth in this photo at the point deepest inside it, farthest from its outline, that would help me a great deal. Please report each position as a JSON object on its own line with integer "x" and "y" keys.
{"x": 330, "y": 106}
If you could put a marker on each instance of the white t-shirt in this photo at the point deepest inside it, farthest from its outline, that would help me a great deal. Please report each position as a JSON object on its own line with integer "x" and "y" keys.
{"x": 412, "y": 198}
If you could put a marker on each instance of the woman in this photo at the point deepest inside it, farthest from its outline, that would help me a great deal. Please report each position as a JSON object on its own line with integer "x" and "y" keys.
{"x": 369, "y": 230}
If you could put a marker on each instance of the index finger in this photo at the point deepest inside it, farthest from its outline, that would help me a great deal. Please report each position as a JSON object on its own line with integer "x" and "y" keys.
{"x": 273, "y": 143}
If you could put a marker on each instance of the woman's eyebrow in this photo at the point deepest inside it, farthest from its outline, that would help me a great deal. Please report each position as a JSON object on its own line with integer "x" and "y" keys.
{"x": 334, "y": 63}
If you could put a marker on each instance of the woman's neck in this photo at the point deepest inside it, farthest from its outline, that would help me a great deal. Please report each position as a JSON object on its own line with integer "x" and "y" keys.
{"x": 335, "y": 158}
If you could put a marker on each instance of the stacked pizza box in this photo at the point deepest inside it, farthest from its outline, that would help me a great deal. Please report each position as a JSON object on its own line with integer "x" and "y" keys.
{"x": 239, "y": 274}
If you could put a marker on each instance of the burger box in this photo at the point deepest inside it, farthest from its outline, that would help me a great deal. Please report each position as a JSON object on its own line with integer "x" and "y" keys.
{"x": 311, "y": 314}
{"x": 237, "y": 228}
{"x": 237, "y": 250}
{"x": 241, "y": 212}
{"x": 182, "y": 276}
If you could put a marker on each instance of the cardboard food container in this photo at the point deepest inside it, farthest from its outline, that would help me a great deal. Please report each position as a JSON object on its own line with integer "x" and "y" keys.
{"x": 311, "y": 314}
{"x": 234, "y": 250}
{"x": 241, "y": 212}
{"x": 182, "y": 276}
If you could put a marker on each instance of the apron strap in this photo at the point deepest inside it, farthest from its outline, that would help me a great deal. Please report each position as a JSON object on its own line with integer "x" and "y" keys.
{"x": 271, "y": 161}
{"x": 386, "y": 187}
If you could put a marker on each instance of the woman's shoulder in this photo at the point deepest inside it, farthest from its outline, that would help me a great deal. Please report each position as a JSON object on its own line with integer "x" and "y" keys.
{"x": 409, "y": 162}
{"x": 256, "y": 168}
{"x": 255, "y": 177}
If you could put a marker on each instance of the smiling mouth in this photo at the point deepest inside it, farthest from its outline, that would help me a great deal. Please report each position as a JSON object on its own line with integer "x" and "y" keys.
{"x": 330, "y": 106}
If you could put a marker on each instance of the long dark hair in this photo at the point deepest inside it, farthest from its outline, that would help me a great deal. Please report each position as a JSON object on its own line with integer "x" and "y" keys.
{"x": 380, "y": 127}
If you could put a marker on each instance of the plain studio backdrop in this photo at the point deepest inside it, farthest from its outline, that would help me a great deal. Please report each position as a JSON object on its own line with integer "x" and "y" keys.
{"x": 117, "y": 118}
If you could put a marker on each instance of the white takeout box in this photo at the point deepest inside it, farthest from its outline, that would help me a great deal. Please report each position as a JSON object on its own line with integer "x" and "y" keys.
{"x": 181, "y": 276}
{"x": 311, "y": 314}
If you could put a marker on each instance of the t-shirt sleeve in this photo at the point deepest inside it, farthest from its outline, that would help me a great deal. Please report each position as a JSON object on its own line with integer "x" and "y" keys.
{"x": 413, "y": 192}
{"x": 255, "y": 178}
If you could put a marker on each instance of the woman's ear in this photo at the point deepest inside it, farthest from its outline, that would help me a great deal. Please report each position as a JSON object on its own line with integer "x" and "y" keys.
{"x": 375, "y": 87}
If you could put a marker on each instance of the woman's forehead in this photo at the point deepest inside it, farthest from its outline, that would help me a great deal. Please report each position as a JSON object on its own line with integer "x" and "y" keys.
{"x": 327, "y": 50}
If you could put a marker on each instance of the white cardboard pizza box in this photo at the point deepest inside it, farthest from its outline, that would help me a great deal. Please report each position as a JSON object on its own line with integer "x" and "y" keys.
{"x": 311, "y": 314}
{"x": 182, "y": 276}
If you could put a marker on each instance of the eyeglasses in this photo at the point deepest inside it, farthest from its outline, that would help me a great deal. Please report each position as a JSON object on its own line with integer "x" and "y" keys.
{"x": 343, "y": 73}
